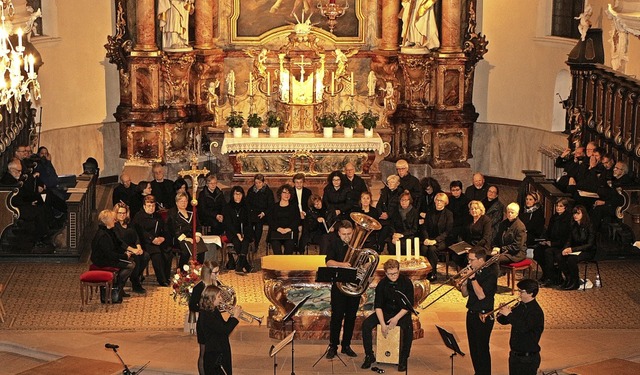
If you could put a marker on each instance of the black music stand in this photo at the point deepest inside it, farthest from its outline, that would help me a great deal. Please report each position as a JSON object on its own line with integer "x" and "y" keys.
{"x": 333, "y": 275}
{"x": 451, "y": 343}
{"x": 277, "y": 348}
{"x": 126, "y": 370}
{"x": 289, "y": 318}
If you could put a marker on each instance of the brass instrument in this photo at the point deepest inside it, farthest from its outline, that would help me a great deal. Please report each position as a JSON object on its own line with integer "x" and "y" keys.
{"x": 460, "y": 278}
{"x": 489, "y": 314}
{"x": 365, "y": 261}
{"x": 229, "y": 302}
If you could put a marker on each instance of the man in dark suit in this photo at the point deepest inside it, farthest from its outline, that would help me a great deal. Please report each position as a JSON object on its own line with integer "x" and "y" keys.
{"x": 478, "y": 190}
{"x": 355, "y": 184}
{"x": 162, "y": 188}
{"x": 409, "y": 182}
{"x": 125, "y": 190}
{"x": 300, "y": 199}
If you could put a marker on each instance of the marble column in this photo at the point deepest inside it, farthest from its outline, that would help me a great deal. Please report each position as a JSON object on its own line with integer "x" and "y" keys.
{"x": 205, "y": 11}
{"x": 390, "y": 25}
{"x": 145, "y": 26}
{"x": 451, "y": 26}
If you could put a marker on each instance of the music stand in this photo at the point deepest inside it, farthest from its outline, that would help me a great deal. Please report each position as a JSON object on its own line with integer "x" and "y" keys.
{"x": 333, "y": 275}
{"x": 277, "y": 348}
{"x": 451, "y": 343}
{"x": 289, "y": 318}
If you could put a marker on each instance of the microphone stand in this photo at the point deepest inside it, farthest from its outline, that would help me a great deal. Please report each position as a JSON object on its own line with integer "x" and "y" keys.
{"x": 126, "y": 370}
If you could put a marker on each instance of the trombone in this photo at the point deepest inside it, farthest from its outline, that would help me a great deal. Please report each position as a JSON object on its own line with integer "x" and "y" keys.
{"x": 489, "y": 314}
{"x": 460, "y": 278}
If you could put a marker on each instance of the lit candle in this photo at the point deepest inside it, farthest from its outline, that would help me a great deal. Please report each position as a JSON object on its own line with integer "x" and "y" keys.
{"x": 416, "y": 247}
{"x": 268, "y": 83}
{"x": 408, "y": 248}
{"x": 31, "y": 61}
{"x": 353, "y": 84}
{"x": 20, "y": 39}
{"x": 397, "y": 246}
{"x": 333, "y": 83}
{"x": 250, "y": 83}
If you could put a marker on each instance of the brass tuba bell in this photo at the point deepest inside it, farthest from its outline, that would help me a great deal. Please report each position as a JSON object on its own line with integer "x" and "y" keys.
{"x": 365, "y": 261}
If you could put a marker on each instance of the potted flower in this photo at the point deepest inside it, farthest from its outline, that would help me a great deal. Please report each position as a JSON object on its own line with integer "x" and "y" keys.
{"x": 274, "y": 121}
{"x": 254, "y": 122}
{"x": 328, "y": 121}
{"x": 348, "y": 120}
{"x": 235, "y": 121}
{"x": 369, "y": 120}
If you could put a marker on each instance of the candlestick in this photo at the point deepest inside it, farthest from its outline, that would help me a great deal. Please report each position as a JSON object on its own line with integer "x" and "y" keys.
{"x": 31, "y": 61}
{"x": 268, "y": 83}
{"x": 353, "y": 84}
{"x": 250, "y": 83}
{"x": 416, "y": 247}
{"x": 333, "y": 83}
{"x": 20, "y": 32}
{"x": 398, "y": 250}
{"x": 408, "y": 248}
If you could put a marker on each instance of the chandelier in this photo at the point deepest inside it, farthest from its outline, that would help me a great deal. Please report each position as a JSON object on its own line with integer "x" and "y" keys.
{"x": 15, "y": 84}
{"x": 332, "y": 11}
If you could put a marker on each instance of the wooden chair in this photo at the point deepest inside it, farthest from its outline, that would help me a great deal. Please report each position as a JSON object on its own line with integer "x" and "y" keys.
{"x": 95, "y": 279}
{"x": 511, "y": 270}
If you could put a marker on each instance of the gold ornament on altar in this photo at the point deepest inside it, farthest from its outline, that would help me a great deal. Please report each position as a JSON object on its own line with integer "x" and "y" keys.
{"x": 332, "y": 11}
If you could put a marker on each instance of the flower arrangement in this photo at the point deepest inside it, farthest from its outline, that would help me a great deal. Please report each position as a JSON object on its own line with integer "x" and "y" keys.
{"x": 235, "y": 120}
{"x": 184, "y": 280}
{"x": 348, "y": 119}
{"x": 328, "y": 120}
{"x": 254, "y": 121}
{"x": 273, "y": 119}
{"x": 369, "y": 120}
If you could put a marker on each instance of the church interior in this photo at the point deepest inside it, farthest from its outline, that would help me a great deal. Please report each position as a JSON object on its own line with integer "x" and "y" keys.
{"x": 456, "y": 88}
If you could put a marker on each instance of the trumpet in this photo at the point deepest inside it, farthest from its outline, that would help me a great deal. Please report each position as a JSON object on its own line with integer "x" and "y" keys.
{"x": 249, "y": 318}
{"x": 483, "y": 317}
{"x": 460, "y": 278}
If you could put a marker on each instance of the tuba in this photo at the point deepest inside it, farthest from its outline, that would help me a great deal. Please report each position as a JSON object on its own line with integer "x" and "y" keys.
{"x": 365, "y": 261}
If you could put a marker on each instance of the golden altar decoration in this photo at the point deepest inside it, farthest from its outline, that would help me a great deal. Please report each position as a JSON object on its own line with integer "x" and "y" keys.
{"x": 289, "y": 278}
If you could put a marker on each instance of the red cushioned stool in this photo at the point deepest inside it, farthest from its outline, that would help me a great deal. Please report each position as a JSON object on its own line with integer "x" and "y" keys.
{"x": 91, "y": 279}
{"x": 512, "y": 268}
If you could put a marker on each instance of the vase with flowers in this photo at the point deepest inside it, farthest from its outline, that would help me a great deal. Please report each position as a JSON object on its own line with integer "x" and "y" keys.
{"x": 348, "y": 119}
{"x": 184, "y": 280}
{"x": 274, "y": 122}
{"x": 254, "y": 122}
{"x": 328, "y": 121}
{"x": 369, "y": 121}
{"x": 235, "y": 121}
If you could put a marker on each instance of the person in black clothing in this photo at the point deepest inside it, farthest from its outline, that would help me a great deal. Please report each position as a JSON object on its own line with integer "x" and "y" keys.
{"x": 532, "y": 217}
{"x": 610, "y": 200}
{"x": 477, "y": 191}
{"x": 430, "y": 187}
{"x": 208, "y": 276}
{"x": 365, "y": 208}
{"x": 143, "y": 189}
{"x": 494, "y": 209}
{"x": 343, "y": 307}
{"x": 477, "y": 232}
{"x": 480, "y": 289}
{"x": 154, "y": 239}
{"x": 162, "y": 188}
{"x": 283, "y": 222}
{"x": 106, "y": 250}
{"x": 580, "y": 246}
{"x": 388, "y": 204}
{"x": 260, "y": 202}
{"x": 237, "y": 228}
{"x": 527, "y": 325}
{"x": 354, "y": 184}
{"x": 315, "y": 227}
{"x": 573, "y": 165}
{"x": 180, "y": 226}
{"x": 180, "y": 185}
{"x": 404, "y": 221}
{"x": 48, "y": 174}
{"x": 300, "y": 199}
{"x": 554, "y": 237}
{"x": 390, "y": 311}
{"x": 210, "y": 206}
{"x": 459, "y": 206}
{"x": 435, "y": 231}
{"x": 335, "y": 197}
{"x": 125, "y": 191}
{"x": 409, "y": 182}
{"x": 130, "y": 242}
{"x": 511, "y": 238}
{"x": 213, "y": 333}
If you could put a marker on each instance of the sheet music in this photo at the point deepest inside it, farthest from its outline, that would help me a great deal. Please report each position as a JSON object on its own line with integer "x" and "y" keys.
{"x": 279, "y": 346}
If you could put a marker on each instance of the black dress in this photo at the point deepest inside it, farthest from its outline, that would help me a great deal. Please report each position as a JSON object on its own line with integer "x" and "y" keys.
{"x": 283, "y": 217}
{"x": 333, "y": 200}
{"x": 259, "y": 201}
{"x": 213, "y": 332}
{"x": 210, "y": 205}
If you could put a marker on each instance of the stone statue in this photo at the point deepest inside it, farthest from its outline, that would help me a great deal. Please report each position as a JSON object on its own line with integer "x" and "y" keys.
{"x": 173, "y": 16}
{"x": 341, "y": 60}
{"x": 389, "y": 99}
{"x": 212, "y": 97}
{"x": 231, "y": 83}
{"x": 371, "y": 83}
{"x": 419, "y": 28}
{"x": 585, "y": 21}
{"x": 259, "y": 60}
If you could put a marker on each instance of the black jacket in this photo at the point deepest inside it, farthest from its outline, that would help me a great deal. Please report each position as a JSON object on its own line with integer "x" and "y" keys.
{"x": 164, "y": 193}
{"x": 306, "y": 194}
{"x": 512, "y": 237}
{"x": 558, "y": 230}
{"x": 437, "y": 225}
{"x": 211, "y": 204}
{"x": 149, "y": 227}
{"x": 534, "y": 222}
{"x": 106, "y": 250}
{"x": 409, "y": 226}
{"x": 583, "y": 238}
{"x": 479, "y": 233}
{"x": 259, "y": 201}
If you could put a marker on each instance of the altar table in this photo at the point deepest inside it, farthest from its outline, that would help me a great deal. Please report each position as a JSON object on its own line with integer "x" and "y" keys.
{"x": 289, "y": 278}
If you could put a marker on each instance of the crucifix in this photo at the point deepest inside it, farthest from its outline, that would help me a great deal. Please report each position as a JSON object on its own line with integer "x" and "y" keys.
{"x": 301, "y": 64}
{"x": 194, "y": 173}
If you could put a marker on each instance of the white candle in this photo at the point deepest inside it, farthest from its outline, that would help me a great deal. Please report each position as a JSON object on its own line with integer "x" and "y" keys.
{"x": 408, "y": 248}
{"x": 31, "y": 61}
{"x": 250, "y": 83}
{"x": 268, "y": 83}
{"x": 333, "y": 83}
{"x": 353, "y": 84}
{"x": 416, "y": 247}
{"x": 398, "y": 250}
{"x": 20, "y": 39}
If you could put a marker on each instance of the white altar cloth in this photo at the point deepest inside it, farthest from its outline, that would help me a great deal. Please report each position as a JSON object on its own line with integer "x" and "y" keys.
{"x": 308, "y": 142}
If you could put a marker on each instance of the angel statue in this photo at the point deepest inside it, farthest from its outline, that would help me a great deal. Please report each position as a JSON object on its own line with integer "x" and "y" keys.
{"x": 389, "y": 99}
{"x": 585, "y": 21}
{"x": 212, "y": 97}
{"x": 341, "y": 60}
{"x": 259, "y": 60}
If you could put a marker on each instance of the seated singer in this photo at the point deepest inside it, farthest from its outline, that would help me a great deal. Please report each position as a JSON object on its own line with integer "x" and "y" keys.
{"x": 390, "y": 311}
{"x": 343, "y": 307}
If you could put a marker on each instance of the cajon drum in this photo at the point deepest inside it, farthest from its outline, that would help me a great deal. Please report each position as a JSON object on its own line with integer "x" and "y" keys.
{"x": 388, "y": 349}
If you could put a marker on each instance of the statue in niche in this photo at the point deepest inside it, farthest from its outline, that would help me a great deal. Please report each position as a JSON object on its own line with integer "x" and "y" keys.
{"x": 212, "y": 97}
{"x": 419, "y": 28}
{"x": 173, "y": 16}
{"x": 341, "y": 60}
{"x": 389, "y": 99}
{"x": 585, "y": 21}
{"x": 259, "y": 60}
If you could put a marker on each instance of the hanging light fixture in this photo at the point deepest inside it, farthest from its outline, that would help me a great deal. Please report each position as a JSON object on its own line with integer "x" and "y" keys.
{"x": 14, "y": 84}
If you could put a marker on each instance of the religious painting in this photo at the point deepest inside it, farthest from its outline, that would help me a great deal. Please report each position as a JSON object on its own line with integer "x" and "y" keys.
{"x": 145, "y": 143}
{"x": 450, "y": 146}
{"x": 258, "y": 20}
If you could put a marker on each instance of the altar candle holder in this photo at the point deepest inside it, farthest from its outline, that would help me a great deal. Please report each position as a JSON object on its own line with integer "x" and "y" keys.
{"x": 332, "y": 11}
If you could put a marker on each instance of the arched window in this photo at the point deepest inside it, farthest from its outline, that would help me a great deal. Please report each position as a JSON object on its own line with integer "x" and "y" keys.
{"x": 563, "y": 22}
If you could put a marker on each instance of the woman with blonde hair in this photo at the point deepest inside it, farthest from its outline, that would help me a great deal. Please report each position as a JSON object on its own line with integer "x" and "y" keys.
{"x": 477, "y": 233}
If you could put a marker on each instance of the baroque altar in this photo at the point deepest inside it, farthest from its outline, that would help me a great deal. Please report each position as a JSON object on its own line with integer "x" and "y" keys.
{"x": 289, "y": 278}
